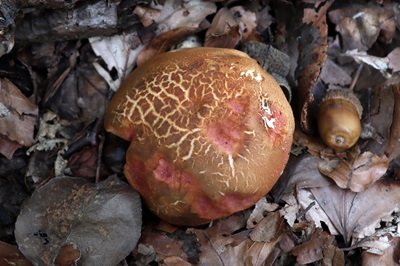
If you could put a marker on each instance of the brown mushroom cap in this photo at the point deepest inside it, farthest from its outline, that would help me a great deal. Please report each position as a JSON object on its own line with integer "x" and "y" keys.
{"x": 210, "y": 133}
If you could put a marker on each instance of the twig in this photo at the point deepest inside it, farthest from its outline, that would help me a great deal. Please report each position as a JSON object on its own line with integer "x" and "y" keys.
{"x": 356, "y": 77}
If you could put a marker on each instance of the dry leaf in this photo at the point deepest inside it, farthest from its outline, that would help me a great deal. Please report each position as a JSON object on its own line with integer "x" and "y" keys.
{"x": 119, "y": 52}
{"x": 10, "y": 255}
{"x": 166, "y": 245}
{"x": 361, "y": 25}
{"x": 177, "y": 13}
{"x": 247, "y": 21}
{"x": 357, "y": 173}
{"x": 313, "y": 250}
{"x": 147, "y": 15}
{"x": 312, "y": 55}
{"x": 224, "y": 244}
{"x": 392, "y": 148}
{"x": 163, "y": 42}
{"x": 391, "y": 256}
{"x": 269, "y": 229}
{"x": 8, "y": 147}
{"x": 224, "y": 30}
{"x": 18, "y": 115}
{"x": 333, "y": 74}
{"x": 259, "y": 212}
{"x": 355, "y": 215}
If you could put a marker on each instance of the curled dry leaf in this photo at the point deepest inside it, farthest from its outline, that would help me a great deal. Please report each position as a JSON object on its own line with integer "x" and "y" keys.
{"x": 10, "y": 255}
{"x": 344, "y": 212}
{"x": 258, "y": 213}
{"x": 379, "y": 117}
{"x": 358, "y": 173}
{"x": 391, "y": 256}
{"x": 351, "y": 212}
{"x": 313, "y": 145}
{"x": 392, "y": 148}
{"x": 119, "y": 52}
{"x": 102, "y": 221}
{"x": 247, "y": 21}
{"x": 313, "y": 46}
{"x": 225, "y": 244}
{"x": 332, "y": 75}
{"x": 17, "y": 114}
{"x": 177, "y": 20}
{"x": 394, "y": 60}
{"x": 176, "y": 14}
{"x": 361, "y": 25}
{"x": 224, "y": 30}
{"x": 269, "y": 229}
{"x": 164, "y": 42}
{"x": 313, "y": 250}
{"x": 147, "y": 15}
{"x": 157, "y": 246}
{"x": 8, "y": 147}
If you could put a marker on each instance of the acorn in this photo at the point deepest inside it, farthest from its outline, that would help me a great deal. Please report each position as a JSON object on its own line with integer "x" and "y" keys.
{"x": 339, "y": 119}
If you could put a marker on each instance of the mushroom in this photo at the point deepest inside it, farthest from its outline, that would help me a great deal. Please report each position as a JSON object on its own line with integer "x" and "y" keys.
{"x": 210, "y": 133}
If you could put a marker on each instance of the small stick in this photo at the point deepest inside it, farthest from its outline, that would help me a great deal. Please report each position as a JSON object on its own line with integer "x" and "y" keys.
{"x": 356, "y": 77}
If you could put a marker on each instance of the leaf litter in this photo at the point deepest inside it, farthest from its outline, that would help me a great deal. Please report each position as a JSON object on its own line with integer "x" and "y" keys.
{"x": 328, "y": 208}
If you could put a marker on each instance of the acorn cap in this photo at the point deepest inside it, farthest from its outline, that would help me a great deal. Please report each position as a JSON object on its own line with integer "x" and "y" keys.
{"x": 344, "y": 95}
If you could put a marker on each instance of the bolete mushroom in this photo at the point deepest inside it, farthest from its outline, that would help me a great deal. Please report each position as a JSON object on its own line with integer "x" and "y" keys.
{"x": 210, "y": 133}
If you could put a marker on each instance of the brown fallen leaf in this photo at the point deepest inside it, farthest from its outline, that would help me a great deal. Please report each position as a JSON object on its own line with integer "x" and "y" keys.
{"x": 147, "y": 15}
{"x": 313, "y": 145}
{"x": 176, "y": 14}
{"x": 352, "y": 215}
{"x": 269, "y": 229}
{"x": 391, "y": 256}
{"x": 313, "y": 46}
{"x": 174, "y": 261}
{"x": 357, "y": 173}
{"x": 69, "y": 255}
{"x": 356, "y": 215}
{"x": 361, "y": 25}
{"x": 393, "y": 147}
{"x": 8, "y": 147}
{"x": 224, "y": 30}
{"x": 163, "y": 42}
{"x": 229, "y": 243}
{"x": 247, "y": 21}
{"x": 313, "y": 250}
{"x": 10, "y": 255}
{"x": 258, "y": 213}
{"x": 165, "y": 245}
{"x": 18, "y": 114}
{"x": 333, "y": 74}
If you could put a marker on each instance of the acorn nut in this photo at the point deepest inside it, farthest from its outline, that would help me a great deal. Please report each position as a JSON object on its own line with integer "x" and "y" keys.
{"x": 339, "y": 119}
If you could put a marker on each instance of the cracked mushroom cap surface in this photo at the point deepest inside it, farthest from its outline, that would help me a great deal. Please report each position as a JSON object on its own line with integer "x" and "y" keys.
{"x": 210, "y": 133}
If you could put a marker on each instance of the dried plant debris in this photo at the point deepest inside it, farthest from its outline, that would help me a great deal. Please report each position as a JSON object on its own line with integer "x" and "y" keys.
{"x": 119, "y": 52}
{"x": 361, "y": 25}
{"x": 358, "y": 172}
{"x": 18, "y": 114}
{"x": 386, "y": 65}
{"x": 224, "y": 30}
{"x": 313, "y": 46}
{"x": 319, "y": 247}
{"x": 175, "y": 14}
{"x": 10, "y": 255}
{"x": 70, "y": 219}
{"x": 69, "y": 57}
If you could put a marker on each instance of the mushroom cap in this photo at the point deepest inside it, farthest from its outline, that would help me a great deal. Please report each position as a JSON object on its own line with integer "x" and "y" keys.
{"x": 210, "y": 133}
